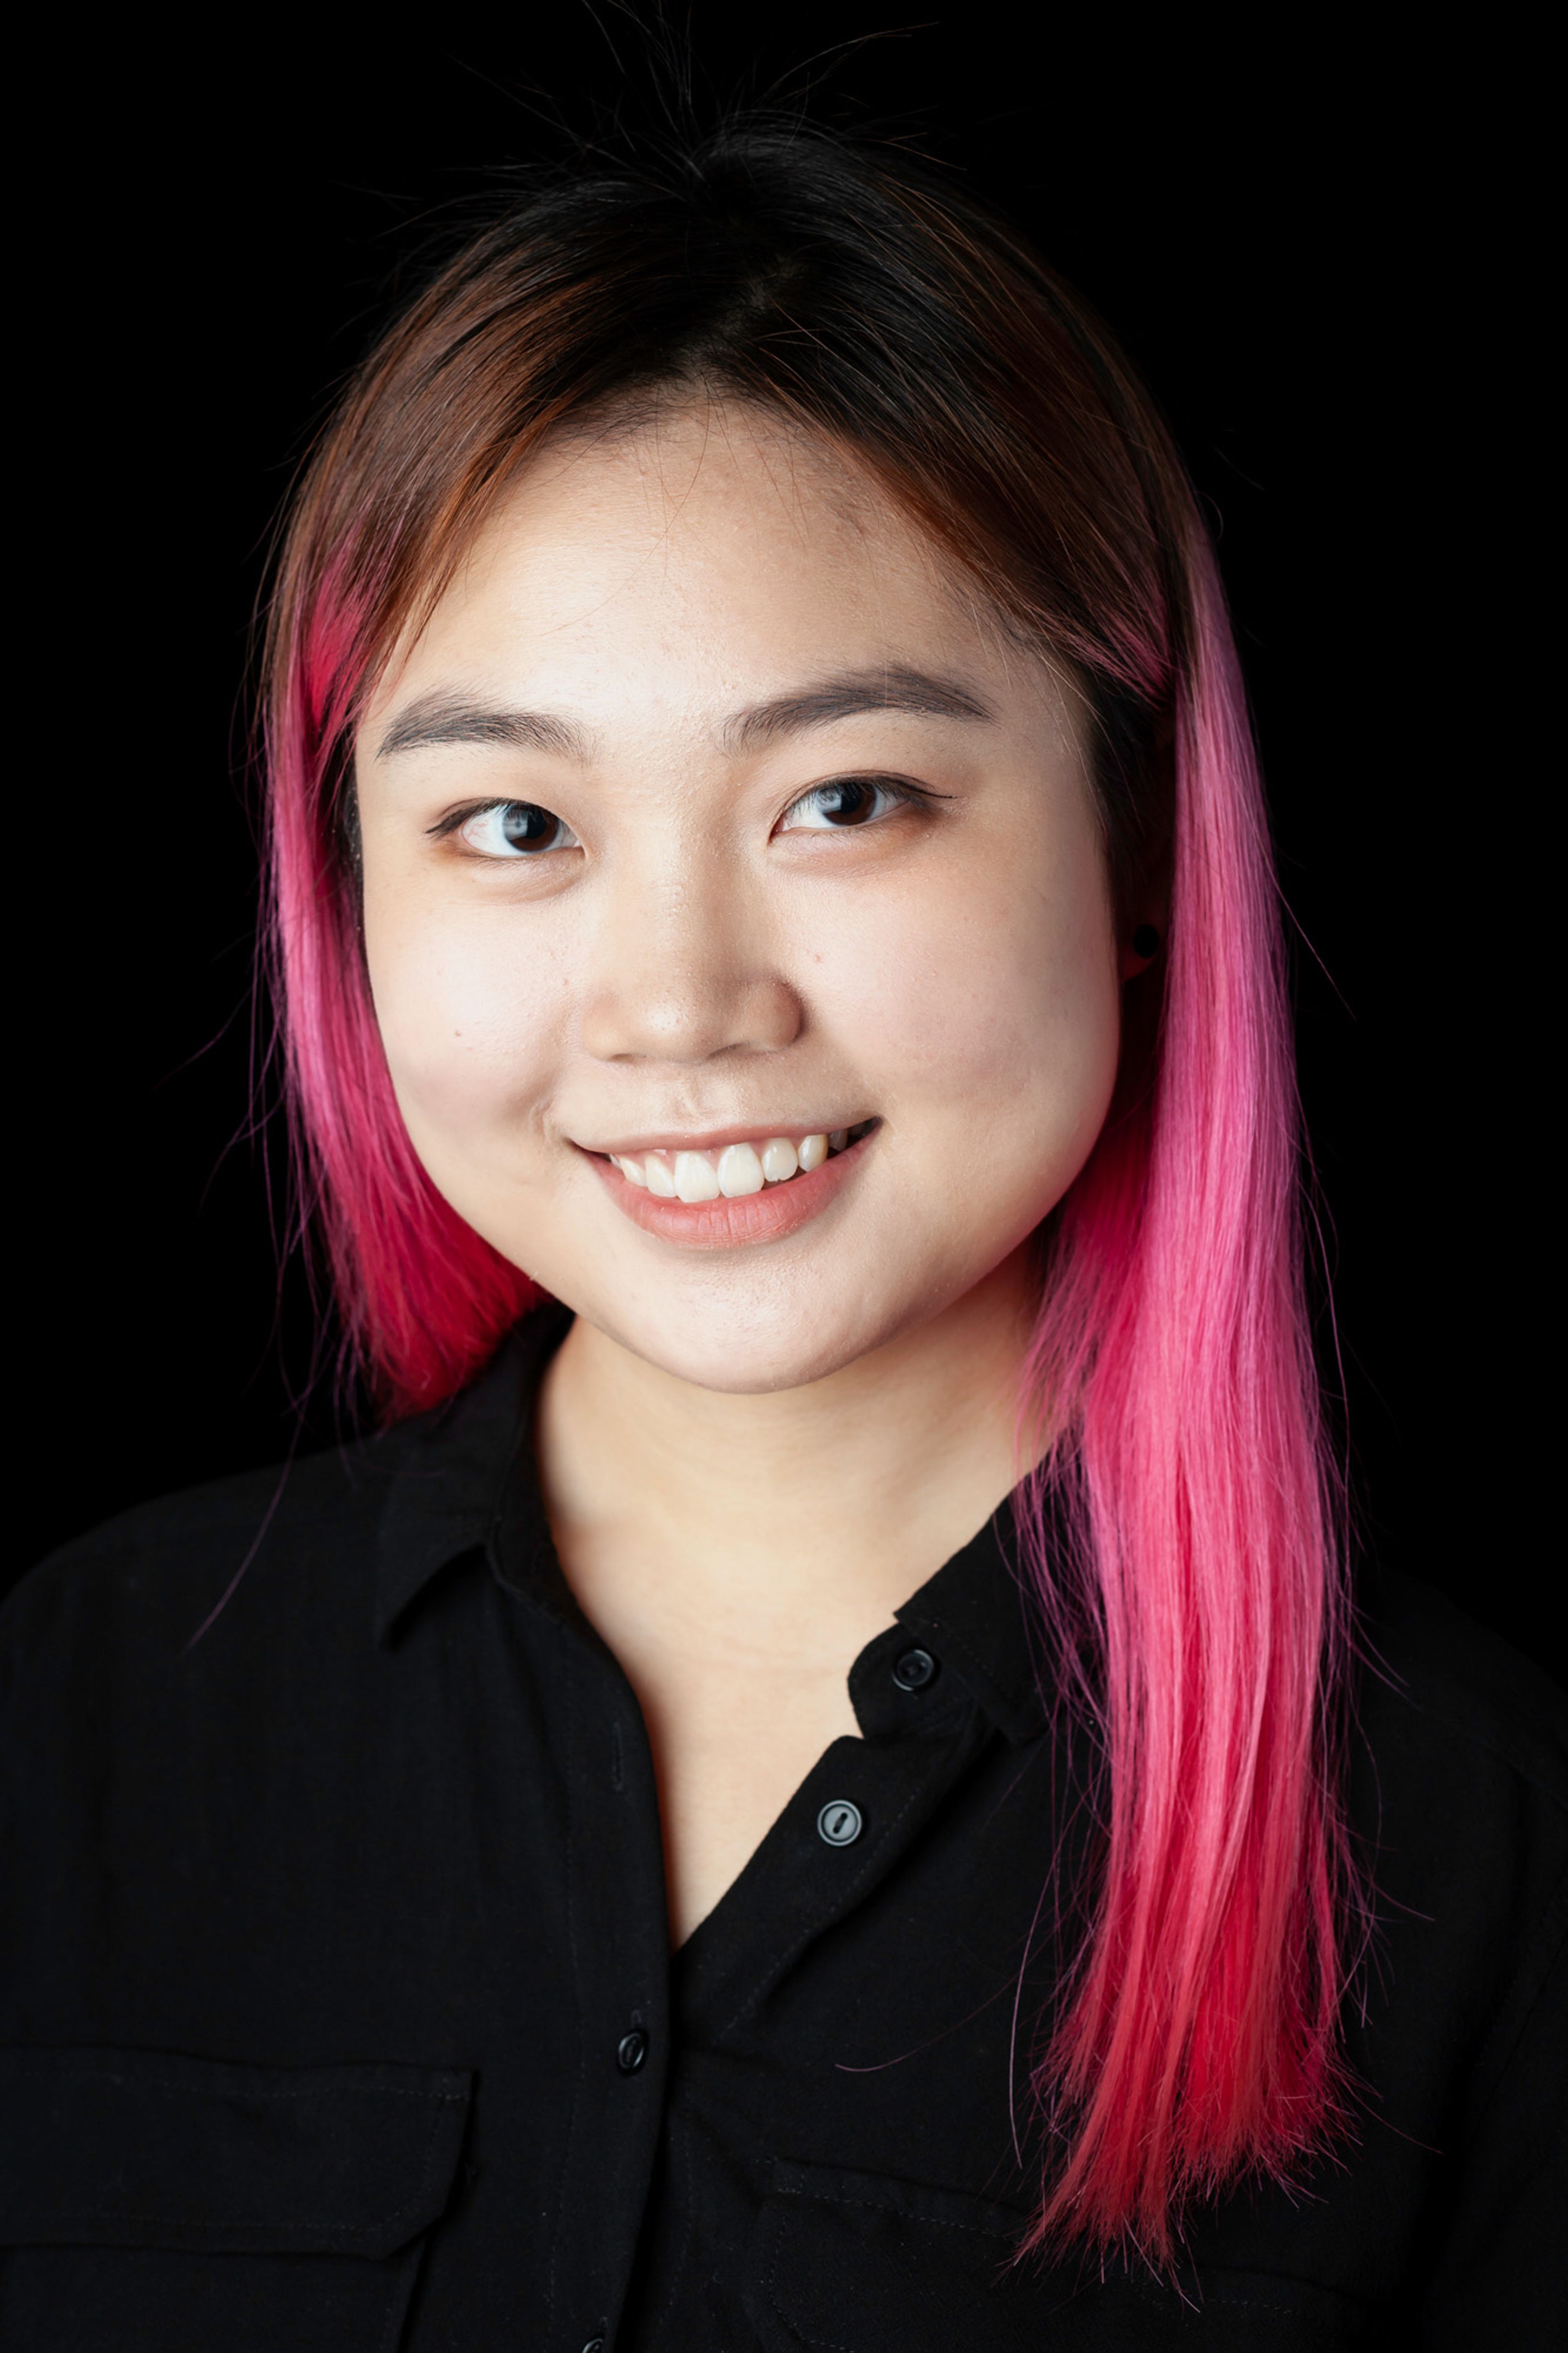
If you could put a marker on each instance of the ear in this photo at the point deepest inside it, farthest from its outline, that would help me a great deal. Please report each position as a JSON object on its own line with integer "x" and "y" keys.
{"x": 1142, "y": 946}
{"x": 1145, "y": 885}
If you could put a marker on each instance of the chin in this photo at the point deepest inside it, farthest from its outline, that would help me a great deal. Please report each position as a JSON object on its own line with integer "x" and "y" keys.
{"x": 741, "y": 1355}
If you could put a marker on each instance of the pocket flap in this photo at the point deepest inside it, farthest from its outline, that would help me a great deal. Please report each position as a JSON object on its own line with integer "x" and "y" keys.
{"x": 148, "y": 2148}
{"x": 861, "y": 2263}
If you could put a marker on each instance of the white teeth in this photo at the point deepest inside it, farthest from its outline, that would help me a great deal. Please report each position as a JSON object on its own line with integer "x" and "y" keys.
{"x": 736, "y": 1171}
{"x": 696, "y": 1178}
{"x": 740, "y": 1172}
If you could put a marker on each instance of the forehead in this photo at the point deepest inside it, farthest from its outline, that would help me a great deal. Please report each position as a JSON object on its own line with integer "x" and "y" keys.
{"x": 703, "y": 554}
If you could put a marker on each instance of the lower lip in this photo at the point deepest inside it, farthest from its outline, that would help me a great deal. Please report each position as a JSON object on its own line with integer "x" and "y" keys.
{"x": 765, "y": 1217}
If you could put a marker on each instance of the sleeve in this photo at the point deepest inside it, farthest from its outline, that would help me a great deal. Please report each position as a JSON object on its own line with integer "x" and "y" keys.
{"x": 1502, "y": 2274}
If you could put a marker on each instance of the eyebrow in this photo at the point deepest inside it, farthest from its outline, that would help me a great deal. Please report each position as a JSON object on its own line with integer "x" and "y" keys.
{"x": 452, "y": 719}
{"x": 893, "y": 688}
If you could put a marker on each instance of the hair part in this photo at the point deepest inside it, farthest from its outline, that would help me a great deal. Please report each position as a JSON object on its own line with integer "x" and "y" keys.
{"x": 1180, "y": 1532}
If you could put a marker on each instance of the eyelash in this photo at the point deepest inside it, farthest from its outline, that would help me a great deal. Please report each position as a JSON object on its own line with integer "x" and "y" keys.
{"x": 899, "y": 789}
{"x": 457, "y": 819}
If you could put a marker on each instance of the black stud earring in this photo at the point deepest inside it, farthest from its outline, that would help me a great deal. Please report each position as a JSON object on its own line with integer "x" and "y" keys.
{"x": 1146, "y": 941}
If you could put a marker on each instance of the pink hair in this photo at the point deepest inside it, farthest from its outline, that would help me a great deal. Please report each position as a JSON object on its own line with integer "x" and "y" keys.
{"x": 1172, "y": 1352}
{"x": 424, "y": 1299}
{"x": 1197, "y": 1605}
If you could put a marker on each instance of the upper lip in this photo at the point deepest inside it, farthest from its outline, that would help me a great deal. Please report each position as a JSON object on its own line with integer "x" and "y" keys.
{"x": 714, "y": 1139}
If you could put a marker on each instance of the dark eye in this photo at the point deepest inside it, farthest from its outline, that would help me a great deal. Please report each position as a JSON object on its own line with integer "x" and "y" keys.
{"x": 525, "y": 825}
{"x": 849, "y": 803}
{"x": 516, "y": 829}
{"x": 848, "y": 800}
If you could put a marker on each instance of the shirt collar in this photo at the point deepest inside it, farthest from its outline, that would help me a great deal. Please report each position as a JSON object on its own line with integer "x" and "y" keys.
{"x": 976, "y": 1617}
{"x": 466, "y": 1481}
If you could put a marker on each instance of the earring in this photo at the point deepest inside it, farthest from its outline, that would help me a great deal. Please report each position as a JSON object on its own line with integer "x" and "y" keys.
{"x": 1146, "y": 941}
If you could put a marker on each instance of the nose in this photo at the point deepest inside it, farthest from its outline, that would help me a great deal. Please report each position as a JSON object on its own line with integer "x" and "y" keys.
{"x": 677, "y": 979}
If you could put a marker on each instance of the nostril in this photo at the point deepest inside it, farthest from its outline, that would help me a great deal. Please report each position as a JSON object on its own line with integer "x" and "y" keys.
{"x": 698, "y": 1024}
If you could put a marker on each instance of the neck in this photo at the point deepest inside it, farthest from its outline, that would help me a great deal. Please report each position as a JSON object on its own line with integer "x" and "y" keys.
{"x": 844, "y": 1494}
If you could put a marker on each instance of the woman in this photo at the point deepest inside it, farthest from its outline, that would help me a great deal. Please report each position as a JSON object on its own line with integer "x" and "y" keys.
{"x": 815, "y": 1784}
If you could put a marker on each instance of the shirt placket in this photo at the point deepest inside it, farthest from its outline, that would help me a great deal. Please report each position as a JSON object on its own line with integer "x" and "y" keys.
{"x": 619, "y": 1950}
{"x": 859, "y": 1810}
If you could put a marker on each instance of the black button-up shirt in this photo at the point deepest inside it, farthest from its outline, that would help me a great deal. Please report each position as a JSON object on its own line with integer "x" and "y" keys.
{"x": 340, "y": 2012}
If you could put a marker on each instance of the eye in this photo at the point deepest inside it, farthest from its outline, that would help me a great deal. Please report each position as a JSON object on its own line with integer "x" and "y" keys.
{"x": 516, "y": 830}
{"x": 848, "y": 800}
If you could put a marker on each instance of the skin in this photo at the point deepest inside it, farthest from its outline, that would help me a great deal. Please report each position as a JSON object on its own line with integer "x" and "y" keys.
{"x": 752, "y": 1451}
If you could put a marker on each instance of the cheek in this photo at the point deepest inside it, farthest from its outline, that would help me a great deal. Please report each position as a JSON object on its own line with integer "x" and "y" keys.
{"x": 988, "y": 1016}
{"x": 466, "y": 1016}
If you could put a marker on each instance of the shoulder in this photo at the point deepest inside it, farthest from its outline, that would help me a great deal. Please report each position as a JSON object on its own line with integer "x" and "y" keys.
{"x": 151, "y": 1576}
{"x": 1431, "y": 1680}
{"x": 1458, "y": 1791}
{"x": 285, "y": 1567}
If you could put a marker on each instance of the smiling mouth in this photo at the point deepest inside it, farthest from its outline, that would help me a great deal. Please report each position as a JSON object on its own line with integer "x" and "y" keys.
{"x": 765, "y": 1163}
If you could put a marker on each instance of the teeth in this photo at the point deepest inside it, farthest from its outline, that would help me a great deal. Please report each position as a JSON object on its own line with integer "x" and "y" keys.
{"x": 736, "y": 1171}
{"x": 740, "y": 1172}
{"x": 696, "y": 1178}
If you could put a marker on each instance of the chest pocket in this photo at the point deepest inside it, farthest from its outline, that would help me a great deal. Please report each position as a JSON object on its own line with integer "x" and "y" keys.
{"x": 152, "y": 2203}
{"x": 854, "y": 2263}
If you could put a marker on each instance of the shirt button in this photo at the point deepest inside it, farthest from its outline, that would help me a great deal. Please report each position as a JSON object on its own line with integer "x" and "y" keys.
{"x": 914, "y": 1670}
{"x": 594, "y": 2345}
{"x": 839, "y": 1822}
{"x": 631, "y": 2051}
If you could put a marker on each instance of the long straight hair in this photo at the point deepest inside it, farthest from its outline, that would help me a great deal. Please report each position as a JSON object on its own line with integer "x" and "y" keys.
{"x": 1191, "y": 1577}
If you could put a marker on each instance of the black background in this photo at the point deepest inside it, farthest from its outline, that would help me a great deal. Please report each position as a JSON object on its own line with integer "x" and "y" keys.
{"x": 1310, "y": 239}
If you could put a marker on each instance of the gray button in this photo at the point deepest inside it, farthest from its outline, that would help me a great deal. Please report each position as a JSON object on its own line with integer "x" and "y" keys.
{"x": 839, "y": 1822}
{"x": 916, "y": 1671}
{"x": 631, "y": 2051}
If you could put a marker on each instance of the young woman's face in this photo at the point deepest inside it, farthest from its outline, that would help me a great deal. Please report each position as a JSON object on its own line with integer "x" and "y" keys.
{"x": 707, "y": 817}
